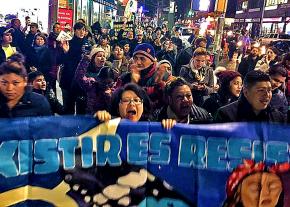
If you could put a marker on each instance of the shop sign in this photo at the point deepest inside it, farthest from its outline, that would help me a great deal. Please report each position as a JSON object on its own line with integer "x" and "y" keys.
{"x": 254, "y": 10}
{"x": 65, "y": 16}
{"x": 278, "y": 19}
{"x": 107, "y": 3}
{"x": 119, "y": 25}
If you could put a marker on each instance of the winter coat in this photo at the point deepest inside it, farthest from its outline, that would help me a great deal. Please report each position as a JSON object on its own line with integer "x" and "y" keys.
{"x": 197, "y": 115}
{"x": 88, "y": 81}
{"x": 241, "y": 111}
{"x": 49, "y": 94}
{"x": 279, "y": 101}
{"x": 30, "y": 104}
{"x": 247, "y": 64}
{"x": 217, "y": 100}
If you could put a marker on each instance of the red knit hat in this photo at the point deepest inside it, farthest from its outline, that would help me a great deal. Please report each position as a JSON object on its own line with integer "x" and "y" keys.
{"x": 227, "y": 76}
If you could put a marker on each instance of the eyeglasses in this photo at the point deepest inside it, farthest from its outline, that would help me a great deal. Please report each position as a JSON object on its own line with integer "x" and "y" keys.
{"x": 136, "y": 101}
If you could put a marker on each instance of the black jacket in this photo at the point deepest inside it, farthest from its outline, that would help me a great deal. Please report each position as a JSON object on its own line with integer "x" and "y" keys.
{"x": 217, "y": 100}
{"x": 31, "y": 104}
{"x": 55, "y": 106}
{"x": 247, "y": 64}
{"x": 241, "y": 111}
{"x": 197, "y": 115}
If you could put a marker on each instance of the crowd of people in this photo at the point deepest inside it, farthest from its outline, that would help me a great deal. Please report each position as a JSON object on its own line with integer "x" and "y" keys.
{"x": 143, "y": 74}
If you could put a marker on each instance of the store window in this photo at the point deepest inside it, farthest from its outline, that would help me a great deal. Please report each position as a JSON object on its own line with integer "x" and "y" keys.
{"x": 85, "y": 10}
{"x": 256, "y": 4}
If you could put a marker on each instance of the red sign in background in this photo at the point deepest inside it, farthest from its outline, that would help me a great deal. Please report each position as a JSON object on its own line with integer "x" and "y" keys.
{"x": 65, "y": 16}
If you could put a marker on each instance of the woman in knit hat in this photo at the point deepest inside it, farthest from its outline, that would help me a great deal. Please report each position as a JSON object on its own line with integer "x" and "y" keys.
{"x": 230, "y": 88}
{"x": 95, "y": 76}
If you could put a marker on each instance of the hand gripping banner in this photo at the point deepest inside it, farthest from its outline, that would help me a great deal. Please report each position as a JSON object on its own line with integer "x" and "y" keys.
{"x": 76, "y": 161}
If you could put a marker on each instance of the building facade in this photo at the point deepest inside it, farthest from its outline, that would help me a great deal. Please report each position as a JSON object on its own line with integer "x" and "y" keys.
{"x": 69, "y": 11}
{"x": 263, "y": 16}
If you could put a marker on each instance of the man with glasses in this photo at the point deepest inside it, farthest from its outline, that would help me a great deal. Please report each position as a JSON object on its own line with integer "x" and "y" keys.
{"x": 254, "y": 103}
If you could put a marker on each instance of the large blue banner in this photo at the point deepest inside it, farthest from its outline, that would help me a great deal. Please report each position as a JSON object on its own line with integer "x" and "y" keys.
{"x": 74, "y": 161}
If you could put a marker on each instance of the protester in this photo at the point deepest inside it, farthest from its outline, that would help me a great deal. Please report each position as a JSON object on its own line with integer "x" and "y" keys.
{"x": 41, "y": 57}
{"x": 119, "y": 61}
{"x": 181, "y": 107}
{"x": 15, "y": 98}
{"x": 168, "y": 52}
{"x": 278, "y": 75}
{"x": 96, "y": 79}
{"x": 6, "y": 49}
{"x": 254, "y": 103}
{"x": 129, "y": 102}
{"x": 230, "y": 86}
{"x": 39, "y": 85}
{"x": 271, "y": 58}
{"x": 248, "y": 63}
{"x": 73, "y": 96}
{"x": 199, "y": 76}
{"x": 18, "y": 39}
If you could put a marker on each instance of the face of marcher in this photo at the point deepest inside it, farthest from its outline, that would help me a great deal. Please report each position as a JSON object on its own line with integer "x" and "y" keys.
{"x": 271, "y": 55}
{"x": 130, "y": 35}
{"x": 259, "y": 95}
{"x": 126, "y": 48}
{"x": 139, "y": 37}
{"x": 202, "y": 44}
{"x": 12, "y": 86}
{"x": 131, "y": 106}
{"x": 39, "y": 41}
{"x": 199, "y": 61}
{"x": 261, "y": 190}
{"x": 277, "y": 80}
{"x": 181, "y": 101}
{"x": 80, "y": 33}
{"x": 39, "y": 83}
{"x": 33, "y": 29}
{"x": 118, "y": 53}
{"x": 142, "y": 61}
{"x": 57, "y": 29}
{"x": 255, "y": 52}
{"x": 100, "y": 59}
{"x": 236, "y": 86}
{"x": 7, "y": 38}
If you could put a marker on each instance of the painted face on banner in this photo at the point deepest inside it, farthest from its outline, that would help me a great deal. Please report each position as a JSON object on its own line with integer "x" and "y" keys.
{"x": 261, "y": 190}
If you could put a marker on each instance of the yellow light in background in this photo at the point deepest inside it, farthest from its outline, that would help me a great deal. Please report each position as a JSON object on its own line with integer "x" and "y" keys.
{"x": 221, "y": 6}
{"x": 263, "y": 50}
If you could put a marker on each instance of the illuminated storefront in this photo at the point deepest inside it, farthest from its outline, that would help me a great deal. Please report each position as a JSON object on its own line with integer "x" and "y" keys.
{"x": 36, "y": 10}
